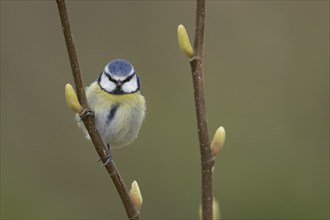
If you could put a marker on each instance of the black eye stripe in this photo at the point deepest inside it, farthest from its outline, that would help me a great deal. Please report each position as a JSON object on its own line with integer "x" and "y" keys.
{"x": 129, "y": 78}
{"x": 111, "y": 79}
{"x": 116, "y": 81}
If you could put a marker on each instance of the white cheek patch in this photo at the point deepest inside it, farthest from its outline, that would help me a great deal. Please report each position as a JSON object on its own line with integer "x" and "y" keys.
{"x": 106, "y": 84}
{"x": 130, "y": 86}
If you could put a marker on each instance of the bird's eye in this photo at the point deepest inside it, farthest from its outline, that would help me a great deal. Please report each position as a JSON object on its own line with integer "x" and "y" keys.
{"x": 110, "y": 78}
{"x": 128, "y": 78}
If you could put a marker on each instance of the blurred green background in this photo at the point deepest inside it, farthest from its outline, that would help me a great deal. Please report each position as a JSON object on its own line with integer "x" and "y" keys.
{"x": 267, "y": 83}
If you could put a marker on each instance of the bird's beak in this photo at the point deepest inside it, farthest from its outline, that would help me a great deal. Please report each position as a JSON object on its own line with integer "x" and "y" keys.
{"x": 119, "y": 83}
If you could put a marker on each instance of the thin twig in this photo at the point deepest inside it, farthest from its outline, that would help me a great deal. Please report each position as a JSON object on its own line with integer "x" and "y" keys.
{"x": 196, "y": 64}
{"x": 88, "y": 120}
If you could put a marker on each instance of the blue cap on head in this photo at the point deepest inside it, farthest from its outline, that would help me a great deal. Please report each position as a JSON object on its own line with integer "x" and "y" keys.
{"x": 120, "y": 68}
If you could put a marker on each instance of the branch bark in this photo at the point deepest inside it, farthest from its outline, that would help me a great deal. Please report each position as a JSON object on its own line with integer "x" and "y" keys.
{"x": 196, "y": 63}
{"x": 88, "y": 120}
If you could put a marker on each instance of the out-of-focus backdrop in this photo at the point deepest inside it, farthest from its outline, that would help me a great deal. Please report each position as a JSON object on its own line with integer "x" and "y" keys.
{"x": 267, "y": 83}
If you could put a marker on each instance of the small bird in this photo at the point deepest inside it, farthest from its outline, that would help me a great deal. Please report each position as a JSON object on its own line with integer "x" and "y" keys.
{"x": 117, "y": 105}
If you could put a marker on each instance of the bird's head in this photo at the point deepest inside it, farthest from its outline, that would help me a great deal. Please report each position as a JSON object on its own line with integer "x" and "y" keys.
{"x": 119, "y": 77}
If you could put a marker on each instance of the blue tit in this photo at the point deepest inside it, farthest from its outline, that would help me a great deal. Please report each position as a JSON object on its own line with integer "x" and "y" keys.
{"x": 118, "y": 106}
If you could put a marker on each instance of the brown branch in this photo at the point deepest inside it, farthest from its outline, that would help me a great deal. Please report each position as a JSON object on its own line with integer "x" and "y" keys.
{"x": 196, "y": 63}
{"x": 88, "y": 120}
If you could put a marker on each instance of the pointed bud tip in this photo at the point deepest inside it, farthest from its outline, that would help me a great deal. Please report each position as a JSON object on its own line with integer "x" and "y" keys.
{"x": 71, "y": 99}
{"x": 135, "y": 195}
{"x": 184, "y": 42}
{"x": 218, "y": 141}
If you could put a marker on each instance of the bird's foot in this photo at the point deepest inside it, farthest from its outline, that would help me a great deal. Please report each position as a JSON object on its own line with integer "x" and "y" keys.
{"x": 86, "y": 113}
{"x": 108, "y": 157}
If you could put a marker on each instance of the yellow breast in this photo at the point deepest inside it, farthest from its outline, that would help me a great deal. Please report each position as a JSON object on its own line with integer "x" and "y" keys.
{"x": 99, "y": 100}
{"x": 125, "y": 126}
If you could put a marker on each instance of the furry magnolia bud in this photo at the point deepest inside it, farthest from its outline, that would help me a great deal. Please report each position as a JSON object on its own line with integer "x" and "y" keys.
{"x": 135, "y": 195}
{"x": 184, "y": 42}
{"x": 218, "y": 141}
{"x": 71, "y": 99}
